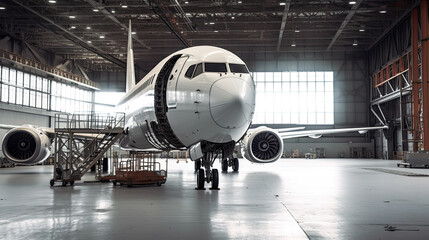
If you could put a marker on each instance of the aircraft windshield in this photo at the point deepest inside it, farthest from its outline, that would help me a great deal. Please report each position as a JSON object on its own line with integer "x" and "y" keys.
{"x": 238, "y": 68}
{"x": 215, "y": 67}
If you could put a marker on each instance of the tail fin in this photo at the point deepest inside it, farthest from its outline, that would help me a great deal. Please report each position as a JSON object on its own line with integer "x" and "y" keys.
{"x": 131, "y": 77}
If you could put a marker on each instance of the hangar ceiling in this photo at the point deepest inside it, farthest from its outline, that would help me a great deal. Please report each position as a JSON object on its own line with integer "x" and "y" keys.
{"x": 93, "y": 32}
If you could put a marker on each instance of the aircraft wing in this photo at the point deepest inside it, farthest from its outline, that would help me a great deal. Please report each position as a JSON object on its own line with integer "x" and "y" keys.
{"x": 319, "y": 133}
{"x": 51, "y": 131}
{"x": 7, "y": 127}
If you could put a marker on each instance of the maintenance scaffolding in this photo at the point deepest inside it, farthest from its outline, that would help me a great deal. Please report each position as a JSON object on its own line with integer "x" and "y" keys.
{"x": 81, "y": 140}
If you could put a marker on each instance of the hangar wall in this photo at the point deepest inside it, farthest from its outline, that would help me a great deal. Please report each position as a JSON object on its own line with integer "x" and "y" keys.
{"x": 351, "y": 96}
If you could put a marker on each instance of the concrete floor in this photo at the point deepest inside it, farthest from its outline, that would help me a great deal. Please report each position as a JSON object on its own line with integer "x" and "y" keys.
{"x": 289, "y": 199}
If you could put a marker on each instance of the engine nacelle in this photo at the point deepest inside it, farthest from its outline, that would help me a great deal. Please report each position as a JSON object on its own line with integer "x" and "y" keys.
{"x": 262, "y": 145}
{"x": 26, "y": 145}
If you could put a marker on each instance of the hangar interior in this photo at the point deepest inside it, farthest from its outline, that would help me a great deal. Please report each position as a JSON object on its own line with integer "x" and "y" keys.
{"x": 322, "y": 64}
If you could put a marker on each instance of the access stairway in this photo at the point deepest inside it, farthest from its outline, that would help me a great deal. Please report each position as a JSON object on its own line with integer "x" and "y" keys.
{"x": 81, "y": 140}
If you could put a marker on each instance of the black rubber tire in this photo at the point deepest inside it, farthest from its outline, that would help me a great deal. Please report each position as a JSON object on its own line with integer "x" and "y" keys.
{"x": 114, "y": 183}
{"x": 197, "y": 164}
{"x": 215, "y": 179}
{"x": 71, "y": 183}
{"x": 52, "y": 182}
{"x": 64, "y": 183}
{"x": 200, "y": 179}
{"x": 158, "y": 183}
{"x": 224, "y": 164}
{"x": 236, "y": 165}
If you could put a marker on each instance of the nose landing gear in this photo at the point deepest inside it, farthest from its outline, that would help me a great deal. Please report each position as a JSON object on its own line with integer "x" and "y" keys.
{"x": 208, "y": 175}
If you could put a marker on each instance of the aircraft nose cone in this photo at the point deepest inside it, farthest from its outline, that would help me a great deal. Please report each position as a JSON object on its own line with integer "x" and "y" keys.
{"x": 232, "y": 101}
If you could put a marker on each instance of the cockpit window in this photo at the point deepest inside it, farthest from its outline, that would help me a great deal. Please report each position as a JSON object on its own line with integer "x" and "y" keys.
{"x": 189, "y": 72}
{"x": 198, "y": 70}
{"x": 238, "y": 68}
{"x": 215, "y": 67}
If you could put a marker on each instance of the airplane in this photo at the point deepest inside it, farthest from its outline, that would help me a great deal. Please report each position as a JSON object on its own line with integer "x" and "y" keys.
{"x": 200, "y": 99}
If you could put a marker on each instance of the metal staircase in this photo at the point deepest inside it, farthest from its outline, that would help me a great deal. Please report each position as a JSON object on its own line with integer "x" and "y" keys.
{"x": 81, "y": 140}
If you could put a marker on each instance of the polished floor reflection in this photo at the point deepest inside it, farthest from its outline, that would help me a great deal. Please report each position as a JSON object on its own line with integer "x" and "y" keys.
{"x": 289, "y": 199}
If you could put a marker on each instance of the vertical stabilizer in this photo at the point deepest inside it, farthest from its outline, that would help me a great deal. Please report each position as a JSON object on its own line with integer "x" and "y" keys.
{"x": 131, "y": 76}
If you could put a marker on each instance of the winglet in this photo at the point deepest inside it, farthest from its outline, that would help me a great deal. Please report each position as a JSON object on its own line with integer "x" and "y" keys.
{"x": 131, "y": 77}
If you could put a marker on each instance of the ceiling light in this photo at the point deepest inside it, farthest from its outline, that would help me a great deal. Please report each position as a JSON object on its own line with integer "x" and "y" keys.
{"x": 2, "y": 8}
{"x": 352, "y": 2}
{"x": 293, "y": 44}
{"x": 216, "y": 31}
{"x": 88, "y": 27}
{"x": 212, "y": 23}
{"x": 73, "y": 27}
{"x": 113, "y": 11}
{"x": 383, "y": 11}
{"x": 89, "y": 42}
{"x": 133, "y": 33}
{"x": 52, "y": 1}
{"x": 297, "y": 30}
{"x": 95, "y": 10}
{"x": 282, "y": 3}
{"x": 362, "y": 30}
{"x": 124, "y": 6}
{"x": 186, "y": 2}
{"x": 72, "y": 17}
{"x": 101, "y": 36}
{"x": 239, "y": 2}
{"x": 233, "y": 17}
{"x": 355, "y": 43}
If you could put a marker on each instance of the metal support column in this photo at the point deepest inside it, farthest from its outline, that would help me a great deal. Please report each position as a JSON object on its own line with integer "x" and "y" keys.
{"x": 425, "y": 71}
{"x": 415, "y": 76}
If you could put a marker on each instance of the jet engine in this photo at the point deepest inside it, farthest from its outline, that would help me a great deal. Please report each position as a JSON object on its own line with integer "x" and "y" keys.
{"x": 262, "y": 145}
{"x": 26, "y": 145}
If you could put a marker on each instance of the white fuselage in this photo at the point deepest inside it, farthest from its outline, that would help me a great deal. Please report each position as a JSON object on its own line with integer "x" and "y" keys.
{"x": 211, "y": 102}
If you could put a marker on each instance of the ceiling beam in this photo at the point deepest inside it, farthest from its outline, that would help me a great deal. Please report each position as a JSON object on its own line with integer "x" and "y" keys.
{"x": 72, "y": 37}
{"x": 344, "y": 23}
{"x": 103, "y": 10}
{"x": 168, "y": 17}
{"x": 394, "y": 24}
{"x": 283, "y": 25}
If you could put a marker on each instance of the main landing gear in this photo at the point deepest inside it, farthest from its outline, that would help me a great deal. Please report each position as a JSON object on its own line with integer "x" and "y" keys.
{"x": 207, "y": 174}
{"x": 231, "y": 162}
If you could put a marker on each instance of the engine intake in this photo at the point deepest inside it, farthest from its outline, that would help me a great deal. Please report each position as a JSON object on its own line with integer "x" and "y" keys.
{"x": 26, "y": 145}
{"x": 262, "y": 145}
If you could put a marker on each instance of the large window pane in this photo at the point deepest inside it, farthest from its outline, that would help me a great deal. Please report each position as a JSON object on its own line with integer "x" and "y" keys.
{"x": 12, "y": 76}
{"x": 5, "y": 75}
{"x": 4, "y": 93}
{"x": 19, "y": 96}
{"x": 19, "y": 79}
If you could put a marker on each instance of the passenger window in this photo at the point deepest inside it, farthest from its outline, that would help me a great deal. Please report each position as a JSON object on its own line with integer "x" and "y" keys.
{"x": 198, "y": 70}
{"x": 215, "y": 67}
{"x": 188, "y": 73}
{"x": 238, "y": 68}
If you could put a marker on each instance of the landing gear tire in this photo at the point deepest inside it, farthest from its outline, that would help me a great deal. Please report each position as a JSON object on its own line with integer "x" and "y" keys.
{"x": 114, "y": 183}
{"x": 200, "y": 179}
{"x": 71, "y": 183}
{"x": 52, "y": 182}
{"x": 215, "y": 180}
{"x": 64, "y": 183}
{"x": 197, "y": 165}
{"x": 224, "y": 164}
{"x": 235, "y": 165}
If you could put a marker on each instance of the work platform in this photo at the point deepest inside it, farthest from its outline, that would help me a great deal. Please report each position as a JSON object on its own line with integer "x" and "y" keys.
{"x": 137, "y": 168}
{"x": 80, "y": 141}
